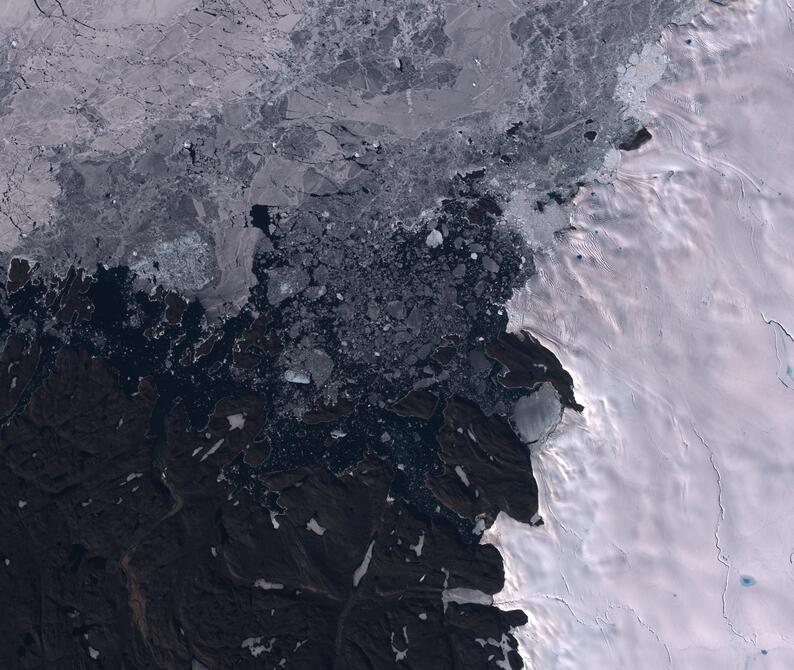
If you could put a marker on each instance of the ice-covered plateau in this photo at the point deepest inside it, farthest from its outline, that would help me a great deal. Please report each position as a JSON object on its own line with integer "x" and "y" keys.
{"x": 669, "y": 540}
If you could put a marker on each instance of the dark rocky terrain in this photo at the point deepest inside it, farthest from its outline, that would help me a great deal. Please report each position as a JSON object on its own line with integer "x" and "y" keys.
{"x": 258, "y": 401}
{"x": 172, "y": 501}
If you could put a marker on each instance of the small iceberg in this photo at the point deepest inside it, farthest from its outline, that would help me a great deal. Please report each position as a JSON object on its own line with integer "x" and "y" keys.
{"x": 296, "y": 377}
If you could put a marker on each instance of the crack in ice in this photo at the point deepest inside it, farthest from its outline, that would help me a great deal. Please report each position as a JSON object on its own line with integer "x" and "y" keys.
{"x": 647, "y": 627}
{"x": 650, "y": 629}
{"x": 721, "y": 556}
{"x": 779, "y": 327}
{"x": 545, "y": 596}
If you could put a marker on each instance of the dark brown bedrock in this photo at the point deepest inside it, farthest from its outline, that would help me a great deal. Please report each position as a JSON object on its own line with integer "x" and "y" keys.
{"x": 114, "y": 559}
{"x": 529, "y": 363}
{"x": 487, "y": 469}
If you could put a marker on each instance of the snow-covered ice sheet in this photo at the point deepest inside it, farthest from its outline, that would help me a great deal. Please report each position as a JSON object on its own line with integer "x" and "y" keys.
{"x": 669, "y": 534}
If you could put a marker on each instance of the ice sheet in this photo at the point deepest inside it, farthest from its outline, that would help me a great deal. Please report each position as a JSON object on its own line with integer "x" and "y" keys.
{"x": 669, "y": 534}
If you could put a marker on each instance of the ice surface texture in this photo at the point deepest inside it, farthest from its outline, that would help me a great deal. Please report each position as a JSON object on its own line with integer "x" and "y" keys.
{"x": 134, "y": 130}
{"x": 670, "y": 528}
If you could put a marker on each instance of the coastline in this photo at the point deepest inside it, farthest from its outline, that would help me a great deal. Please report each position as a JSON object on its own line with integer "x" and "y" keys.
{"x": 665, "y": 544}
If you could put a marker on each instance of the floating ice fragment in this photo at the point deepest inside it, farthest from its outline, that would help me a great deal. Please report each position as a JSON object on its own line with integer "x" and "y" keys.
{"x": 296, "y": 377}
{"x": 434, "y": 239}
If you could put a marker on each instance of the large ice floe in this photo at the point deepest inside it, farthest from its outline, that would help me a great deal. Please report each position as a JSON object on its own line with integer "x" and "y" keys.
{"x": 669, "y": 521}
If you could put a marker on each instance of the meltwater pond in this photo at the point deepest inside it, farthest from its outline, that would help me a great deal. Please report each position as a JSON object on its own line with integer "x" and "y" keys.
{"x": 669, "y": 526}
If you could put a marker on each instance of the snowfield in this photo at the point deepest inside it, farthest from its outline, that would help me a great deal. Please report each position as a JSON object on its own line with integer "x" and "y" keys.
{"x": 669, "y": 516}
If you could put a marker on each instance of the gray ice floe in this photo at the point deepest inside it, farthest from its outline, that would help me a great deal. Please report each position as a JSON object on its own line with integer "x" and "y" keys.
{"x": 535, "y": 416}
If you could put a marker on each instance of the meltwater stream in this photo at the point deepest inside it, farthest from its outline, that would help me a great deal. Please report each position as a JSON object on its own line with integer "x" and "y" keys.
{"x": 669, "y": 521}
